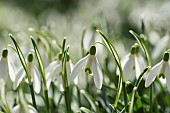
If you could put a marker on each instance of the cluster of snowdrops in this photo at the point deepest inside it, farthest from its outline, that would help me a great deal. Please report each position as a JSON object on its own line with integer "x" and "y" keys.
{"x": 32, "y": 74}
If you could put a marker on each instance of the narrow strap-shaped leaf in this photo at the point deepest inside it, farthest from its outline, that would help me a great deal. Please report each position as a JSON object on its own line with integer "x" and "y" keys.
{"x": 140, "y": 42}
{"x": 121, "y": 77}
{"x": 90, "y": 99}
{"x": 40, "y": 62}
{"x": 21, "y": 57}
{"x": 135, "y": 89}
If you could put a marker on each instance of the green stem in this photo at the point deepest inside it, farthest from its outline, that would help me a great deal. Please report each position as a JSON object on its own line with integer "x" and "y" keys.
{"x": 66, "y": 95}
{"x": 79, "y": 96}
{"x": 119, "y": 92}
{"x": 47, "y": 101}
{"x": 132, "y": 100}
{"x": 4, "y": 101}
{"x": 121, "y": 80}
{"x": 82, "y": 45}
{"x": 59, "y": 101}
{"x": 65, "y": 79}
{"x": 151, "y": 97}
{"x": 24, "y": 64}
{"x": 33, "y": 96}
{"x": 135, "y": 88}
{"x": 40, "y": 62}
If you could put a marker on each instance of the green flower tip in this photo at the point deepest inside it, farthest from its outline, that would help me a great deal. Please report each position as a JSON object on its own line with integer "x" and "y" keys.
{"x": 60, "y": 56}
{"x": 92, "y": 50}
{"x": 135, "y": 49}
{"x": 5, "y": 53}
{"x": 166, "y": 56}
{"x": 162, "y": 75}
{"x": 94, "y": 27}
{"x": 30, "y": 57}
{"x": 68, "y": 57}
{"x": 88, "y": 70}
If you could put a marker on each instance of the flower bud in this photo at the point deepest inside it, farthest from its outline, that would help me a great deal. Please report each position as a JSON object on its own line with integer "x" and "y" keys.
{"x": 5, "y": 53}
{"x": 166, "y": 56}
{"x": 30, "y": 57}
{"x": 60, "y": 56}
{"x": 92, "y": 50}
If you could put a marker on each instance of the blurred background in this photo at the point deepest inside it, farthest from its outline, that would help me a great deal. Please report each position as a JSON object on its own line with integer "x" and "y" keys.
{"x": 68, "y": 18}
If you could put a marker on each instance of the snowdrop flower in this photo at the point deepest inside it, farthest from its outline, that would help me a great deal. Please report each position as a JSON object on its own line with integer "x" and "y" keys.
{"x": 160, "y": 46}
{"x": 6, "y": 67}
{"x": 54, "y": 68}
{"x": 86, "y": 63}
{"x": 162, "y": 69}
{"x": 132, "y": 64}
{"x": 18, "y": 109}
{"x": 34, "y": 73}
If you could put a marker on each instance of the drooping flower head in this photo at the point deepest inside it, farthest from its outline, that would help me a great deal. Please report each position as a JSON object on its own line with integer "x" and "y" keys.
{"x": 54, "y": 68}
{"x": 132, "y": 64}
{"x": 162, "y": 69}
{"x": 34, "y": 73}
{"x": 6, "y": 67}
{"x": 91, "y": 65}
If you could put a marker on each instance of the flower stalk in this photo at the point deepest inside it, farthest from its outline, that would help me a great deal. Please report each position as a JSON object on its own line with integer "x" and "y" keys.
{"x": 121, "y": 77}
{"x": 23, "y": 62}
{"x": 40, "y": 62}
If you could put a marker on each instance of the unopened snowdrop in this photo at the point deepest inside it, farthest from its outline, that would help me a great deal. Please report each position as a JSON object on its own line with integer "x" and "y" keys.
{"x": 54, "y": 68}
{"x": 6, "y": 67}
{"x": 86, "y": 63}
{"x": 162, "y": 69}
{"x": 34, "y": 73}
{"x": 18, "y": 109}
{"x": 132, "y": 64}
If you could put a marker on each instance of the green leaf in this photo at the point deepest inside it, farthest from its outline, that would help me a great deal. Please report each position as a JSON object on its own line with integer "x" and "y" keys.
{"x": 40, "y": 62}
{"x": 90, "y": 99}
{"x": 138, "y": 102}
{"x": 142, "y": 45}
{"x": 21, "y": 57}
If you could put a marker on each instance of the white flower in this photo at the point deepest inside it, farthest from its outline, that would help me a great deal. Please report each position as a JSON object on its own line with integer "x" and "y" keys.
{"x": 18, "y": 109}
{"x": 54, "y": 68}
{"x": 34, "y": 73}
{"x": 86, "y": 63}
{"x": 6, "y": 67}
{"x": 132, "y": 64}
{"x": 162, "y": 69}
{"x": 160, "y": 46}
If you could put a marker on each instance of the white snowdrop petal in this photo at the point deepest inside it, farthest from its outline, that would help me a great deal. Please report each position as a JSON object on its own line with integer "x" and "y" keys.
{"x": 69, "y": 69}
{"x": 50, "y": 66}
{"x": 11, "y": 70}
{"x": 81, "y": 80}
{"x": 32, "y": 109}
{"x": 50, "y": 75}
{"x": 97, "y": 74}
{"x": 138, "y": 68}
{"x": 3, "y": 69}
{"x": 19, "y": 76}
{"x": 167, "y": 75}
{"x": 36, "y": 79}
{"x": 16, "y": 109}
{"x": 128, "y": 69}
{"x": 77, "y": 68}
{"x": 159, "y": 46}
{"x": 123, "y": 61}
{"x": 153, "y": 73}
